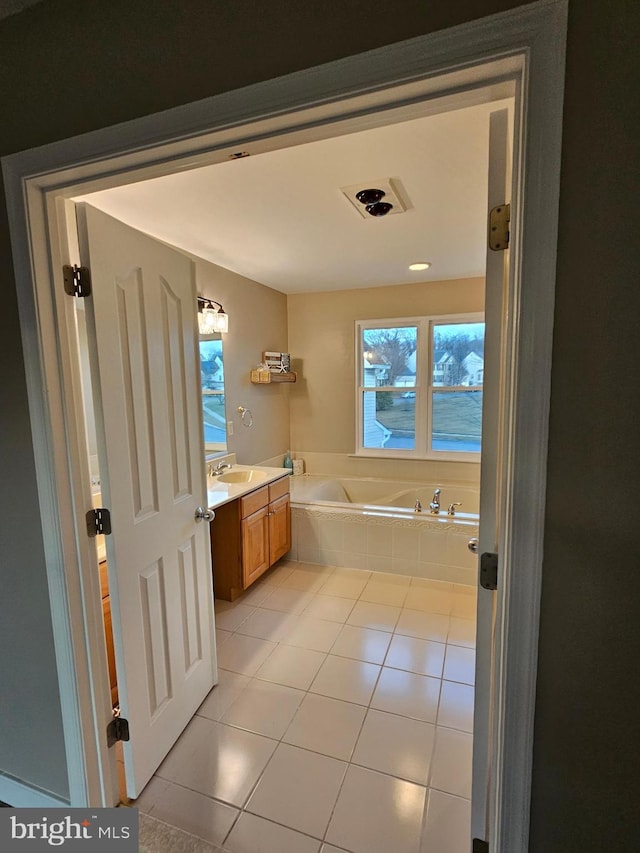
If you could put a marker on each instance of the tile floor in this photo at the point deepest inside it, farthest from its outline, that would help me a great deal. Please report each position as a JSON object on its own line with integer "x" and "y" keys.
{"x": 342, "y": 721}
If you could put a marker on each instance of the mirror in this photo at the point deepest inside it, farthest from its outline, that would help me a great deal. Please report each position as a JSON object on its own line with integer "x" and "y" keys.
{"x": 212, "y": 379}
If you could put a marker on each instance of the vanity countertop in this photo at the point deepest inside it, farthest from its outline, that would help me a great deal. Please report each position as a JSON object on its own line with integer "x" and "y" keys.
{"x": 220, "y": 492}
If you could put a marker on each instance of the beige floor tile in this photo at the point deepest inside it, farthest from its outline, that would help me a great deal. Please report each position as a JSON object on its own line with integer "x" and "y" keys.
{"x": 244, "y": 654}
{"x": 407, "y": 694}
{"x": 343, "y": 587}
{"x": 462, "y": 632}
{"x": 425, "y": 626}
{"x": 362, "y": 644}
{"x": 298, "y": 789}
{"x": 256, "y": 594}
{"x": 304, "y": 580}
{"x": 452, "y": 762}
{"x": 329, "y": 848}
{"x": 229, "y": 687}
{"x": 425, "y": 657}
{"x": 396, "y": 745}
{"x": 221, "y": 636}
{"x": 150, "y": 793}
{"x": 377, "y": 814}
{"x": 253, "y": 834}
{"x": 464, "y": 604}
{"x": 288, "y": 600}
{"x": 309, "y": 632}
{"x": 330, "y": 607}
{"x": 264, "y": 708}
{"x": 384, "y": 593}
{"x": 460, "y": 664}
{"x": 448, "y": 824}
{"x": 346, "y": 679}
{"x": 278, "y": 573}
{"x": 326, "y": 725}
{"x": 390, "y": 578}
{"x": 267, "y": 624}
{"x": 194, "y": 813}
{"x": 428, "y": 583}
{"x": 231, "y": 618}
{"x": 380, "y": 617}
{"x": 225, "y": 765}
{"x": 456, "y": 706}
{"x": 291, "y": 666}
{"x": 428, "y": 600}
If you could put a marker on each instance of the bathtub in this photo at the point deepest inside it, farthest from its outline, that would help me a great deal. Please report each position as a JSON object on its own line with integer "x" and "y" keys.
{"x": 368, "y": 523}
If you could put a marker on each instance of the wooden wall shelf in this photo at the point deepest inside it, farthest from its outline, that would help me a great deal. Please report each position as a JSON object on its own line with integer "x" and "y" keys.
{"x": 273, "y": 377}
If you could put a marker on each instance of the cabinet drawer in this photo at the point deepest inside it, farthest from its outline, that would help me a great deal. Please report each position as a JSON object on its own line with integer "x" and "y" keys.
{"x": 254, "y": 501}
{"x": 278, "y": 488}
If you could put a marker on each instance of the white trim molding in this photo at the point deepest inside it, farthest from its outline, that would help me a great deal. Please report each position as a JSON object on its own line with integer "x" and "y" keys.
{"x": 13, "y": 791}
{"x": 521, "y": 50}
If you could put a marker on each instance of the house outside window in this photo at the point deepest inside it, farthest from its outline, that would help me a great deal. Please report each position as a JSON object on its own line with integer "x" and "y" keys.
{"x": 419, "y": 387}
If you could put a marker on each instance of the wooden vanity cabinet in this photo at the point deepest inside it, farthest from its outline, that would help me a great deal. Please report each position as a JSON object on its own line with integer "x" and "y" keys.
{"x": 248, "y": 536}
{"x": 108, "y": 630}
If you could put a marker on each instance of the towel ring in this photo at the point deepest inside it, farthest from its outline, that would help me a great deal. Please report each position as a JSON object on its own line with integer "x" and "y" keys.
{"x": 245, "y": 416}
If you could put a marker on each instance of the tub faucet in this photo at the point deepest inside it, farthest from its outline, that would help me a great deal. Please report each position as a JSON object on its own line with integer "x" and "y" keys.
{"x": 434, "y": 506}
{"x": 452, "y": 508}
{"x": 418, "y": 506}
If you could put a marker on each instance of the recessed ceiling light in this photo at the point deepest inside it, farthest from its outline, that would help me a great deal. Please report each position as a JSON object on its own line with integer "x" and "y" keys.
{"x": 422, "y": 265}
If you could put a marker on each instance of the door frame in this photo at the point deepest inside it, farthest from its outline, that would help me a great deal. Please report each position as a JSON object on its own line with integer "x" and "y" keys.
{"x": 525, "y": 45}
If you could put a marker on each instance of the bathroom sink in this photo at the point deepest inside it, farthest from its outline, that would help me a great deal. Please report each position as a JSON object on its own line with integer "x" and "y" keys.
{"x": 252, "y": 475}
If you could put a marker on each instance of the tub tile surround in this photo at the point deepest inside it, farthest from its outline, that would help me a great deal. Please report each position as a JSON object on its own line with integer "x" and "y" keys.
{"x": 420, "y": 547}
{"x": 347, "y": 728}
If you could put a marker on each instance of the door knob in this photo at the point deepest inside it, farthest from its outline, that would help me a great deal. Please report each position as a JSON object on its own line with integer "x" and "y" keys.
{"x": 472, "y": 545}
{"x": 203, "y": 514}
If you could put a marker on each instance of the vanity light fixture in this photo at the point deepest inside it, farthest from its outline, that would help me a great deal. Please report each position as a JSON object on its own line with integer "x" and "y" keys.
{"x": 211, "y": 317}
{"x": 420, "y": 265}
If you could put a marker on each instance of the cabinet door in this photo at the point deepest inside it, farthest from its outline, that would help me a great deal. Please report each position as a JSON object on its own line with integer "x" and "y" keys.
{"x": 255, "y": 546}
{"x": 279, "y": 528}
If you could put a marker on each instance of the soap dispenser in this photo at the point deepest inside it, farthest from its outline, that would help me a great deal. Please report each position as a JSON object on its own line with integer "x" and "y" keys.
{"x": 288, "y": 462}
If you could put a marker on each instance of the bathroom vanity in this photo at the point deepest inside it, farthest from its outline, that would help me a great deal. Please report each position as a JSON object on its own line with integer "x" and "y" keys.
{"x": 250, "y": 532}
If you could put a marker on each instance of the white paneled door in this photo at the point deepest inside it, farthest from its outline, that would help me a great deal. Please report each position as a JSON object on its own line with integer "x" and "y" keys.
{"x": 146, "y": 385}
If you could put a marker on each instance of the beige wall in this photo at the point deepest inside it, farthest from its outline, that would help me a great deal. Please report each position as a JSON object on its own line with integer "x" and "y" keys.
{"x": 322, "y": 346}
{"x": 257, "y": 322}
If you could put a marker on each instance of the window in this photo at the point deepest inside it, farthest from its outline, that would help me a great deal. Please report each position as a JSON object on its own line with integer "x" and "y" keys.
{"x": 212, "y": 378}
{"x": 419, "y": 386}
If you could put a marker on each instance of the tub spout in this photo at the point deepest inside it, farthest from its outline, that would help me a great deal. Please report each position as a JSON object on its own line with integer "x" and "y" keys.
{"x": 434, "y": 506}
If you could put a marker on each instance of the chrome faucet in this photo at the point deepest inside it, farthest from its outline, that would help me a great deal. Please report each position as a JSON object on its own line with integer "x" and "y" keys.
{"x": 216, "y": 470}
{"x": 434, "y": 506}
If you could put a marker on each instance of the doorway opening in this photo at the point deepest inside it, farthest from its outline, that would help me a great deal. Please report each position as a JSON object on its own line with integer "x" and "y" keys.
{"x": 428, "y": 642}
{"x": 56, "y": 440}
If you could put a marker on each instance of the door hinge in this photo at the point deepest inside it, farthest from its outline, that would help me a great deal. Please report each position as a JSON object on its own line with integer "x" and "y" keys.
{"x": 480, "y": 846}
{"x": 489, "y": 570}
{"x": 77, "y": 280}
{"x": 118, "y": 729}
{"x": 98, "y": 522}
{"x": 499, "y": 219}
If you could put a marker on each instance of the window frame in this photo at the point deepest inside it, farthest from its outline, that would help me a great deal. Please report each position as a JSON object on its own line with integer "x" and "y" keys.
{"x": 423, "y": 388}
{"x": 213, "y": 448}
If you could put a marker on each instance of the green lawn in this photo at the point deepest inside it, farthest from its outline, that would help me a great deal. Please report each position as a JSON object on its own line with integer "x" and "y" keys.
{"x": 454, "y": 413}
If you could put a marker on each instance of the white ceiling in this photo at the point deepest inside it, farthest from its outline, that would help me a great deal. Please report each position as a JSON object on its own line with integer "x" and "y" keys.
{"x": 280, "y": 218}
